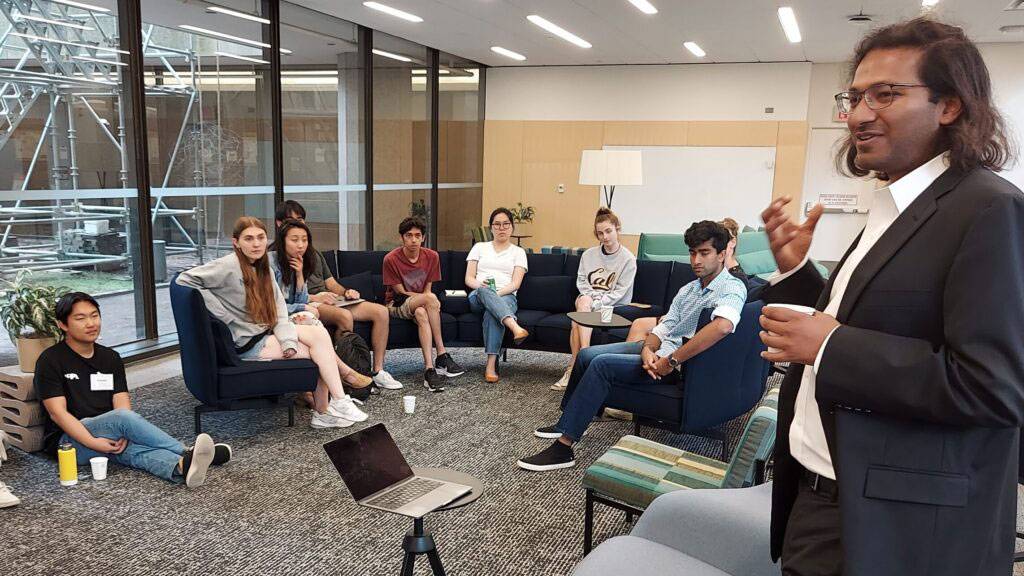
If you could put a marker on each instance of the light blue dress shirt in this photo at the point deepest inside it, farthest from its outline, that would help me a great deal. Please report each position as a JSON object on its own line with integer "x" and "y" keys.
{"x": 725, "y": 293}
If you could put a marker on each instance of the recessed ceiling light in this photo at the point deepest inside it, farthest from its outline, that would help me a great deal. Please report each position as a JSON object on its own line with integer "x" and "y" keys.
{"x": 398, "y": 57}
{"x": 81, "y": 5}
{"x": 422, "y": 72}
{"x": 54, "y": 22}
{"x": 216, "y": 34}
{"x": 929, "y": 3}
{"x": 237, "y": 14}
{"x": 644, "y": 6}
{"x": 559, "y": 31}
{"x": 788, "y": 20}
{"x": 1012, "y": 29}
{"x": 508, "y": 53}
{"x": 285, "y": 51}
{"x": 240, "y": 57}
{"x": 393, "y": 11}
{"x": 695, "y": 49}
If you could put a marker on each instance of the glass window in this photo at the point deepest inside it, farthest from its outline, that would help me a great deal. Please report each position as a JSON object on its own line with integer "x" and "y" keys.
{"x": 210, "y": 130}
{"x": 68, "y": 197}
{"x": 322, "y": 113}
{"x": 460, "y": 149}
{"x": 401, "y": 136}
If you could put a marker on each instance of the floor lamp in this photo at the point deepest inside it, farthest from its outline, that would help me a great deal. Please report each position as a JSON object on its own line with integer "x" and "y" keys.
{"x": 610, "y": 168}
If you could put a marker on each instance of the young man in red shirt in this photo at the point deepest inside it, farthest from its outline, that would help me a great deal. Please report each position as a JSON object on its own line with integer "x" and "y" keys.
{"x": 409, "y": 272}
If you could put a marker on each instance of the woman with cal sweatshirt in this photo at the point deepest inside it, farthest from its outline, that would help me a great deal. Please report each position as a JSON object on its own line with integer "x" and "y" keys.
{"x": 605, "y": 280}
{"x": 239, "y": 290}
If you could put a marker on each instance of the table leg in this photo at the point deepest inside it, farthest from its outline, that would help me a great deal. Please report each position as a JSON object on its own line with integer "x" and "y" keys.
{"x": 435, "y": 562}
{"x": 407, "y": 563}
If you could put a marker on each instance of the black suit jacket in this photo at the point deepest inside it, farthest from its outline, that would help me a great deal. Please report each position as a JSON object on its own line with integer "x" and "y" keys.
{"x": 921, "y": 390}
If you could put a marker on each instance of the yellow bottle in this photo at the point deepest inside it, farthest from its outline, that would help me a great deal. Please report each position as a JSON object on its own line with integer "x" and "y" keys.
{"x": 67, "y": 464}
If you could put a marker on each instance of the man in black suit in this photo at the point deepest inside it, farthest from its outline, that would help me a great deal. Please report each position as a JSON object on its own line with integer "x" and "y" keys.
{"x": 898, "y": 420}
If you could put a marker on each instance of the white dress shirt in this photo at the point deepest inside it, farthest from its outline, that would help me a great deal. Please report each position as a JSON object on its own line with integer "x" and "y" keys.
{"x": 806, "y": 434}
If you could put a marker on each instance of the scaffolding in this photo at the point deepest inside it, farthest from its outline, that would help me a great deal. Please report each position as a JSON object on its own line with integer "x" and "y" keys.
{"x": 64, "y": 56}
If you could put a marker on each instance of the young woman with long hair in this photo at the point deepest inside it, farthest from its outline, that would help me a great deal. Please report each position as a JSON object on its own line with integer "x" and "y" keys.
{"x": 239, "y": 289}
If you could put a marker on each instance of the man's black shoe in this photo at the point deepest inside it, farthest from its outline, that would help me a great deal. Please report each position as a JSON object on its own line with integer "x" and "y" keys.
{"x": 221, "y": 454}
{"x": 447, "y": 366}
{"x": 553, "y": 457}
{"x": 433, "y": 381}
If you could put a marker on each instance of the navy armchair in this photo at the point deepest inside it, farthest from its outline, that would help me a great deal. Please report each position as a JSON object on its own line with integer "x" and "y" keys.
{"x": 214, "y": 373}
{"x": 719, "y": 384}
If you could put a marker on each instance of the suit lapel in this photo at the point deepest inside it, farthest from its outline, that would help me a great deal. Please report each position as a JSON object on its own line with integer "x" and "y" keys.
{"x": 901, "y": 230}
{"x": 826, "y": 294}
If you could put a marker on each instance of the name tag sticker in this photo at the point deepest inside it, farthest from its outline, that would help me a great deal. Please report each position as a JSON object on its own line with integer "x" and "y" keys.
{"x": 101, "y": 382}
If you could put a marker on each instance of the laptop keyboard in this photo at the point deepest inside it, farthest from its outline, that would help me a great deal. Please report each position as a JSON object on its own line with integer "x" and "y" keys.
{"x": 408, "y": 492}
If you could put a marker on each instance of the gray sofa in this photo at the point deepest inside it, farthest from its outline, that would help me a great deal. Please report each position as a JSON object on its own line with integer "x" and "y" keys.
{"x": 693, "y": 533}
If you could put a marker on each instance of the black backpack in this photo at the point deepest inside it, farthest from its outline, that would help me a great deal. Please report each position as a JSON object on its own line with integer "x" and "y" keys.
{"x": 354, "y": 352}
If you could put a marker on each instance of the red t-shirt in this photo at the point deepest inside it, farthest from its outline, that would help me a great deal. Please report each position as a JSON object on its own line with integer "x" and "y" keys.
{"x": 413, "y": 277}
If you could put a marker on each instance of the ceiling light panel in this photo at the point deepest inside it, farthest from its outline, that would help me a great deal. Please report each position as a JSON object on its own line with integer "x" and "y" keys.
{"x": 393, "y": 11}
{"x": 81, "y": 5}
{"x": 695, "y": 49}
{"x": 237, "y": 14}
{"x": 217, "y": 34}
{"x": 644, "y": 6}
{"x": 398, "y": 57}
{"x": 507, "y": 53}
{"x": 558, "y": 31}
{"x": 787, "y": 17}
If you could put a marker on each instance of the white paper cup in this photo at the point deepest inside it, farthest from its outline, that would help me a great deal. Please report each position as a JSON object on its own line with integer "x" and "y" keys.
{"x": 606, "y": 314}
{"x": 99, "y": 467}
{"x": 409, "y": 404}
{"x": 796, "y": 308}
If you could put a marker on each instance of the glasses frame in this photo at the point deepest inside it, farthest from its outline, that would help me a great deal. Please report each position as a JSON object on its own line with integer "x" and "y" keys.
{"x": 871, "y": 102}
{"x": 502, "y": 225}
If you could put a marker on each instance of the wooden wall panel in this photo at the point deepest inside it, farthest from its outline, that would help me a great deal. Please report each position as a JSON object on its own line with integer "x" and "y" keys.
{"x": 503, "y": 165}
{"x": 790, "y": 157}
{"x": 645, "y": 133}
{"x": 732, "y": 133}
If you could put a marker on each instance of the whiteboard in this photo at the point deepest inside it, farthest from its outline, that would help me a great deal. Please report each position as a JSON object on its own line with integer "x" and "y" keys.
{"x": 684, "y": 184}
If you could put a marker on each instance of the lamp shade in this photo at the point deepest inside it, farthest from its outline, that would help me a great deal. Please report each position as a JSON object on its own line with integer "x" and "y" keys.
{"x": 611, "y": 168}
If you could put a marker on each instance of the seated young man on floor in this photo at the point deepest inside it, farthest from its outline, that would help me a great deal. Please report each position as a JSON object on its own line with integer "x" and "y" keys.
{"x": 324, "y": 289}
{"x": 409, "y": 272}
{"x": 659, "y": 358}
{"x": 82, "y": 385}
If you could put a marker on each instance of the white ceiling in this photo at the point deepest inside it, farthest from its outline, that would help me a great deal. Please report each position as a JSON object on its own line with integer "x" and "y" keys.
{"x": 728, "y": 30}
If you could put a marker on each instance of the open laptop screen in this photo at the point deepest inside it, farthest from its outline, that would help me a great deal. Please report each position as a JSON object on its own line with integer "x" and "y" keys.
{"x": 368, "y": 461}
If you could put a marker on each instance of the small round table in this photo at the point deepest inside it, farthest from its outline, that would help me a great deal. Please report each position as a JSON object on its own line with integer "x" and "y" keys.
{"x": 420, "y": 542}
{"x": 519, "y": 238}
{"x": 593, "y": 320}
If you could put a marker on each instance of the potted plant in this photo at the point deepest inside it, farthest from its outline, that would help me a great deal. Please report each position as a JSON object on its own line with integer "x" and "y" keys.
{"x": 522, "y": 215}
{"x": 29, "y": 316}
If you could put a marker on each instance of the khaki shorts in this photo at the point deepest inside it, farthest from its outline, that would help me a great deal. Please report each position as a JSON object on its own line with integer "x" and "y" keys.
{"x": 405, "y": 312}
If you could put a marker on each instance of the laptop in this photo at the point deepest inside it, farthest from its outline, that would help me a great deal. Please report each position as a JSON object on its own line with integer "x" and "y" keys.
{"x": 378, "y": 476}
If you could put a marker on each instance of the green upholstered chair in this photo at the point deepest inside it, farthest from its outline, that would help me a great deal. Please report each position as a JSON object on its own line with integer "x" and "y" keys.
{"x": 635, "y": 471}
{"x": 660, "y": 246}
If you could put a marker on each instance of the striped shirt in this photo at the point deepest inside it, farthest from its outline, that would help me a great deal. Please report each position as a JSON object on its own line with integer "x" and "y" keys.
{"x": 726, "y": 294}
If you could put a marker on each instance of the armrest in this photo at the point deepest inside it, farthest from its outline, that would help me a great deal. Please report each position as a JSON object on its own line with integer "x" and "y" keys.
{"x": 726, "y": 528}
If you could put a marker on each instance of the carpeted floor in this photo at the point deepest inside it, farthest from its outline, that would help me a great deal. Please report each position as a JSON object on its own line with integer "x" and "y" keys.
{"x": 280, "y": 508}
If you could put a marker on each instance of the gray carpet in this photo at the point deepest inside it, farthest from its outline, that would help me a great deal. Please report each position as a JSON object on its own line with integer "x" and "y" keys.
{"x": 280, "y": 508}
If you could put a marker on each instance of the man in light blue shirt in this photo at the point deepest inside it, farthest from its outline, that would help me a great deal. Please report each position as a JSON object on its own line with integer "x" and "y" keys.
{"x": 673, "y": 341}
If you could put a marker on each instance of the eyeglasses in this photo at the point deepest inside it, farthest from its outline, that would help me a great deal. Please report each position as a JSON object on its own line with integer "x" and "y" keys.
{"x": 501, "y": 225}
{"x": 877, "y": 96}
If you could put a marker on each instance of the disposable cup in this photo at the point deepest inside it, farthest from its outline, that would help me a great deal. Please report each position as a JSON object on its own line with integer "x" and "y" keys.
{"x": 99, "y": 467}
{"x": 796, "y": 308}
{"x": 606, "y": 314}
{"x": 409, "y": 404}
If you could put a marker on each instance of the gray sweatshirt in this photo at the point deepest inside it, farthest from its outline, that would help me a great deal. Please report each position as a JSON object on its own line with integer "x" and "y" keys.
{"x": 607, "y": 278}
{"x": 220, "y": 283}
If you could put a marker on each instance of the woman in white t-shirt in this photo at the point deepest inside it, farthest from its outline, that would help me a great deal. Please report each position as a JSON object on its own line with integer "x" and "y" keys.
{"x": 494, "y": 270}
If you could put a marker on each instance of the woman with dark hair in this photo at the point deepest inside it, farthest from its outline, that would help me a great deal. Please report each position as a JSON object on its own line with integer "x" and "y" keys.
{"x": 494, "y": 271}
{"x": 239, "y": 290}
{"x": 292, "y": 255}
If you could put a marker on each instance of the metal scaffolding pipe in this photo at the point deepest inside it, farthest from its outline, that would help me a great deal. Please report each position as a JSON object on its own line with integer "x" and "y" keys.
{"x": 101, "y": 122}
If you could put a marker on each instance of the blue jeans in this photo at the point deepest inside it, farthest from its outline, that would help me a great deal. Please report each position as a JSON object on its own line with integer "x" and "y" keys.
{"x": 149, "y": 448}
{"x": 495, "y": 309}
{"x": 604, "y": 368}
{"x": 587, "y": 355}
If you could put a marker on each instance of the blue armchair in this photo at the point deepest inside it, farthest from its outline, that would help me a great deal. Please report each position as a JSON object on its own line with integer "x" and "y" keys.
{"x": 719, "y": 384}
{"x": 214, "y": 373}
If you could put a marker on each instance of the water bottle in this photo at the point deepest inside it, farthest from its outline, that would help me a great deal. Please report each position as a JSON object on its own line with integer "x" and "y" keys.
{"x": 67, "y": 464}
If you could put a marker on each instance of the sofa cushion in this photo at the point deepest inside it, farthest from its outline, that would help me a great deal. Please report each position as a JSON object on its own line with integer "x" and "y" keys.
{"x": 548, "y": 293}
{"x": 455, "y": 305}
{"x": 572, "y": 265}
{"x": 545, "y": 264}
{"x": 455, "y": 278}
{"x": 635, "y": 471}
{"x": 361, "y": 282}
{"x": 470, "y": 326}
{"x": 659, "y": 402}
{"x": 756, "y": 263}
{"x": 682, "y": 274}
{"x": 665, "y": 257}
{"x": 552, "y": 331}
{"x": 635, "y": 312}
{"x": 354, "y": 261}
{"x": 633, "y": 555}
{"x": 651, "y": 282}
{"x": 253, "y": 379}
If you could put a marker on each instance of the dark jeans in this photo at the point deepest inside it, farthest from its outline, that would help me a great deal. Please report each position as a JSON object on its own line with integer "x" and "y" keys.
{"x": 587, "y": 355}
{"x": 603, "y": 369}
{"x": 811, "y": 546}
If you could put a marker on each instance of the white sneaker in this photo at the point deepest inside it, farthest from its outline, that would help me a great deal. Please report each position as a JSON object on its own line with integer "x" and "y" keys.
{"x": 328, "y": 421}
{"x": 346, "y": 408}
{"x": 386, "y": 381}
{"x": 3, "y": 446}
{"x": 563, "y": 382}
{"x": 6, "y": 498}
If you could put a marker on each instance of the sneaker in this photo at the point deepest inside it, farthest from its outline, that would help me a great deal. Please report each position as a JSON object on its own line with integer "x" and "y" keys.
{"x": 447, "y": 366}
{"x": 433, "y": 381}
{"x": 7, "y": 499}
{"x": 563, "y": 382}
{"x": 385, "y": 381}
{"x": 221, "y": 454}
{"x": 319, "y": 420}
{"x": 618, "y": 414}
{"x": 547, "y": 432}
{"x": 196, "y": 461}
{"x": 3, "y": 446}
{"x": 346, "y": 408}
{"x": 553, "y": 457}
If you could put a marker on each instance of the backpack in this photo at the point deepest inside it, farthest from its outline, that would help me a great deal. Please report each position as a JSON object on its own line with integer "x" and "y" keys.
{"x": 354, "y": 352}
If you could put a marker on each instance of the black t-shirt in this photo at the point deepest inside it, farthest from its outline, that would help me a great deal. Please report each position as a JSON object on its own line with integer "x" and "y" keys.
{"x": 60, "y": 371}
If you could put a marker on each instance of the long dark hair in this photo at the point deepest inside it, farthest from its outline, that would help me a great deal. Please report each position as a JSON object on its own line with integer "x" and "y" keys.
{"x": 951, "y": 66}
{"x": 287, "y": 274}
{"x": 256, "y": 277}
